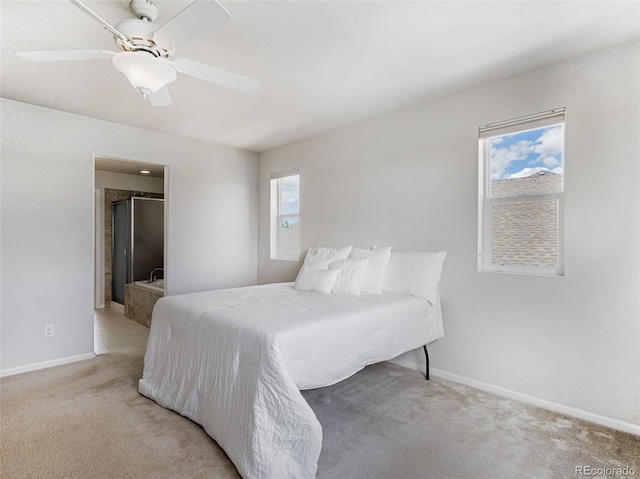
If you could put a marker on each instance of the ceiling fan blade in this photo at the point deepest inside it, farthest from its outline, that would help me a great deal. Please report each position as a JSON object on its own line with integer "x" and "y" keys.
{"x": 100, "y": 20}
{"x": 161, "y": 97}
{"x": 66, "y": 55}
{"x": 217, "y": 76}
{"x": 198, "y": 18}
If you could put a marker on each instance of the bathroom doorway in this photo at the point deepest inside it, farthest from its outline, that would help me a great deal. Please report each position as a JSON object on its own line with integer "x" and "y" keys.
{"x": 117, "y": 180}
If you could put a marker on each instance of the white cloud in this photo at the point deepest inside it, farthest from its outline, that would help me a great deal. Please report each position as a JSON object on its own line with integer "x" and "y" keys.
{"x": 559, "y": 170}
{"x": 549, "y": 143}
{"x": 550, "y": 161}
{"x": 502, "y": 157}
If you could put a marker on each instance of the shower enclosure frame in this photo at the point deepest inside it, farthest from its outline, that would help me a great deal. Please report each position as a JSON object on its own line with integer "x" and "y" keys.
{"x": 134, "y": 271}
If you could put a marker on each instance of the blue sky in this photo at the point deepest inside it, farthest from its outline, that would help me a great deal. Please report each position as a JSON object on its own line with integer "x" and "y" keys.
{"x": 524, "y": 153}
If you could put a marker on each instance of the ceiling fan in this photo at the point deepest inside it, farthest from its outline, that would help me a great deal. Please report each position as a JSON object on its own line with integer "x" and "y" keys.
{"x": 146, "y": 50}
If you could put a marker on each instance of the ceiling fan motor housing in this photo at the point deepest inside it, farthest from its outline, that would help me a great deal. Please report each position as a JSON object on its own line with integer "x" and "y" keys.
{"x": 140, "y": 34}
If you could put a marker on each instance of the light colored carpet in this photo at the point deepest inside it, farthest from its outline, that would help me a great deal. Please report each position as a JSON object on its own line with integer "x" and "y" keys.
{"x": 402, "y": 426}
{"x": 87, "y": 420}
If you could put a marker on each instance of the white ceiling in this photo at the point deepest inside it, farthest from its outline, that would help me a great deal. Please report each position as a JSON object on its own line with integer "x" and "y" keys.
{"x": 323, "y": 64}
{"x": 128, "y": 167}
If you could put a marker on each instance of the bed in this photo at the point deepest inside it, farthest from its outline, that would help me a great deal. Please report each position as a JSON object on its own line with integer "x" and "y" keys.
{"x": 235, "y": 360}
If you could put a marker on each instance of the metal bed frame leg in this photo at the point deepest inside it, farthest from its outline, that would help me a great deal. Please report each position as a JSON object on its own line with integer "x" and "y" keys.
{"x": 426, "y": 354}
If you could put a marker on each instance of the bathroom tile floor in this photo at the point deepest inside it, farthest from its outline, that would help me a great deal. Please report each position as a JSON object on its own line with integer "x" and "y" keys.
{"x": 113, "y": 332}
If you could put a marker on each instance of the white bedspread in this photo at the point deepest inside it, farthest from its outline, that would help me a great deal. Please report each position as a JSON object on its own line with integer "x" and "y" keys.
{"x": 234, "y": 361}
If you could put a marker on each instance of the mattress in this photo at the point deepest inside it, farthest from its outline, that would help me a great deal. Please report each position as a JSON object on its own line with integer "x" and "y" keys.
{"x": 235, "y": 360}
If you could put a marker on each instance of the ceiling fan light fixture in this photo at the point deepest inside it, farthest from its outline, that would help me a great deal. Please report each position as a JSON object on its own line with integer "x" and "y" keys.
{"x": 145, "y": 72}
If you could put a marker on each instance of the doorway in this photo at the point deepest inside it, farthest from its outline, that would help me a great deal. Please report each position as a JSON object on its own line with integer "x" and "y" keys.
{"x": 117, "y": 179}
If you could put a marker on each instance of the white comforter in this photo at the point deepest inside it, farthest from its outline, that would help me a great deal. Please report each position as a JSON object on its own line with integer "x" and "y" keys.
{"x": 234, "y": 361}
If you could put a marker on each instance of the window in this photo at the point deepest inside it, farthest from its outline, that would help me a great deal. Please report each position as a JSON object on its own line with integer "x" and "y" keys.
{"x": 521, "y": 195}
{"x": 285, "y": 215}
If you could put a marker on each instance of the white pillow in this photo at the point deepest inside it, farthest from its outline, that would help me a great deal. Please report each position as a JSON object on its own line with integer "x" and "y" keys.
{"x": 334, "y": 253}
{"x": 319, "y": 280}
{"x": 352, "y": 273}
{"x": 415, "y": 274}
{"x": 377, "y": 268}
{"x": 312, "y": 251}
{"x": 331, "y": 253}
{"x": 316, "y": 261}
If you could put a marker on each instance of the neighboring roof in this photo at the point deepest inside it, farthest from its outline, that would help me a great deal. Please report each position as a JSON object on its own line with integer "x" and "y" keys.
{"x": 526, "y": 232}
{"x": 544, "y": 180}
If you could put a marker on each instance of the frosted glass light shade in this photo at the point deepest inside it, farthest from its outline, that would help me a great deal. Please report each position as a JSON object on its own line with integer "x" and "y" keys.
{"x": 144, "y": 71}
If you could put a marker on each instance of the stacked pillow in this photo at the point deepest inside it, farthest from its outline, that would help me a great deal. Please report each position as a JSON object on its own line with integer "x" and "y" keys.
{"x": 376, "y": 270}
{"x": 316, "y": 279}
{"x": 326, "y": 270}
{"x": 415, "y": 274}
{"x": 333, "y": 253}
{"x": 351, "y": 274}
{"x": 373, "y": 270}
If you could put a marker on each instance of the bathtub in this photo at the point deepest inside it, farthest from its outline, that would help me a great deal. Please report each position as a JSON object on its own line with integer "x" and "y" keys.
{"x": 157, "y": 285}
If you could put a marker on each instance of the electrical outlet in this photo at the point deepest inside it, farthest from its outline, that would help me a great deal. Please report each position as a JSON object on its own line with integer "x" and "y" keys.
{"x": 48, "y": 330}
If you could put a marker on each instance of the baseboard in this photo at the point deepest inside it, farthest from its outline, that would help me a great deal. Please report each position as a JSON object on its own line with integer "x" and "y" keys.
{"x": 45, "y": 364}
{"x": 534, "y": 401}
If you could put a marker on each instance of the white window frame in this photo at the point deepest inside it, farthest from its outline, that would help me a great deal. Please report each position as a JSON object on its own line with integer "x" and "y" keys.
{"x": 276, "y": 215}
{"x": 485, "y": 201}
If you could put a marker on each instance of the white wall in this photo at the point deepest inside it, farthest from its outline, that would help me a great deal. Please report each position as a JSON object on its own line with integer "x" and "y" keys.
{"x": 47, "y": 196}
{"x": 410, "y": 180}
